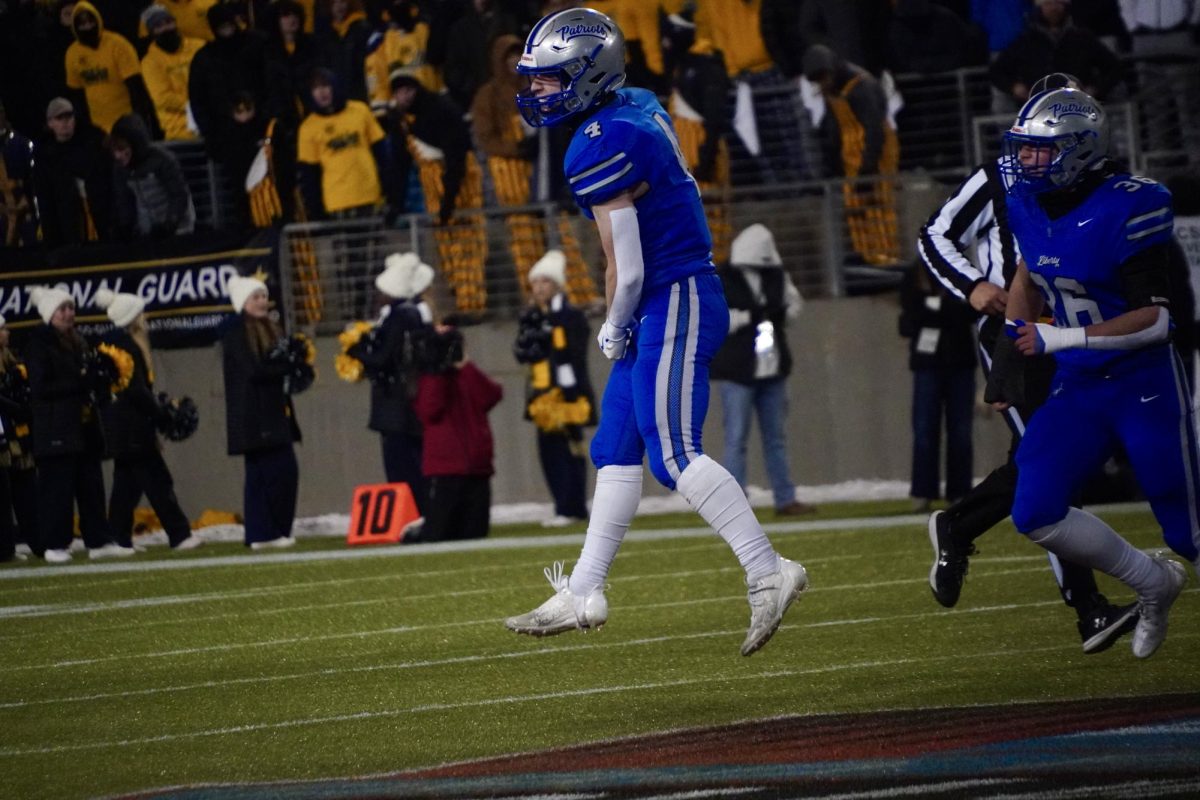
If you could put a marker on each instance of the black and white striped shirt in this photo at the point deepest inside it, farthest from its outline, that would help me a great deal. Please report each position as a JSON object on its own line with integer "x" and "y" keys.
{"x": 975, "y": 216}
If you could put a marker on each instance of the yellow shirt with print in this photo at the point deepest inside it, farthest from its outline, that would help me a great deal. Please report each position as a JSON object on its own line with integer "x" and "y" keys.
{"x": 340, "y": 144}
{"x": 166, "y": 77}
{"x": 101, "y": 73}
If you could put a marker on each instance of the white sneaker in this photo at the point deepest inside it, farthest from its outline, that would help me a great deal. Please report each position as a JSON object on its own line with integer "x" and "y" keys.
{"x": 1151, "y": 629}
{"x": 557, "y": 521}
{"x": 110, "y": 550}
{"x": 190, "y": 543}
{"x": 24, "y": 550}
{"x": 282, "y": 541}
{"x": 57, "y": 556}
{"x": 769, "y": 599}
{"x": 562, "y": 612}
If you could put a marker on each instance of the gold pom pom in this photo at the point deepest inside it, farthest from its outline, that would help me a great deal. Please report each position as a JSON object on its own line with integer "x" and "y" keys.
{"x": 124, "y": 363}
{"x": 349, "y": 368}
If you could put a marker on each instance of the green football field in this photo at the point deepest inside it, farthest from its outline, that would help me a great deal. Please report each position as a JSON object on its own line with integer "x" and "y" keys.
{"x": 226, "y": 666}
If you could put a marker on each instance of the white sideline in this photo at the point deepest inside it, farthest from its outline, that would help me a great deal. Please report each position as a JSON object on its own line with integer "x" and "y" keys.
{"x": 475, "y": 545}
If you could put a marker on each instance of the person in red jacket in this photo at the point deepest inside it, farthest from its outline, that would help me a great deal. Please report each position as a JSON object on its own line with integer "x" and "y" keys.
{"x": 453, "y": 400}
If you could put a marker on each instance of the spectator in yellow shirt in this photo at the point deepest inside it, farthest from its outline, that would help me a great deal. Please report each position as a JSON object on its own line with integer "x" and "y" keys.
{"x": 165, "y": 70}
{"x": 103, "y": 71}
{"x": 340, "y": 151}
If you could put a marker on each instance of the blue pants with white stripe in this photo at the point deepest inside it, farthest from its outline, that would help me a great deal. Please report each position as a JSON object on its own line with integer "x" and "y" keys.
{"x": 1143, "y": 402}
{"x": 656, "y": 397}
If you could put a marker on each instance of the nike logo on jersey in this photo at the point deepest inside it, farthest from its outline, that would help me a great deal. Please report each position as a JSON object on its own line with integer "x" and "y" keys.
{"x": 1085, "y": 222}
{"x": 1148, "y": 399}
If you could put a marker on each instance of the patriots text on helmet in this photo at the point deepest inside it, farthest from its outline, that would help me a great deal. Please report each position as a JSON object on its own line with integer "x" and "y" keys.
{"x": 1073, "y": 109}
{"x": 569, "y": 32}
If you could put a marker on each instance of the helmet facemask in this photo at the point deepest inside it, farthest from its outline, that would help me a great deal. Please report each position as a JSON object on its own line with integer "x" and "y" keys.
{"x": 551, "y": 109}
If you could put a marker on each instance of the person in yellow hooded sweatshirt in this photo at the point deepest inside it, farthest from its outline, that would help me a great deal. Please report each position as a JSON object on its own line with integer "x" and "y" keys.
{"x": 165, "y": 70}
{"x": 102, "y": 68}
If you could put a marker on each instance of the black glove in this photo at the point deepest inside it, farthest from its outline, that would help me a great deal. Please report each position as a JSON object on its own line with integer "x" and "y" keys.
{"x": 1006, "y": 380}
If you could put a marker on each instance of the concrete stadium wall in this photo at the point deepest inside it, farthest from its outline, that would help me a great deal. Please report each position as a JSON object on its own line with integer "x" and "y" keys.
{"x": 850, "y": 395}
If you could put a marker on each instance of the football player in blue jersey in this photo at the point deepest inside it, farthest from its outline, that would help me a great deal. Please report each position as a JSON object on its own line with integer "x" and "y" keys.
{"x": 666, "y": 318}
{"x": 1094, "y": 251}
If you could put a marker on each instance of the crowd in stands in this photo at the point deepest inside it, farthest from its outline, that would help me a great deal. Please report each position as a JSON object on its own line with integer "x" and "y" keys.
{"x": 363, "y": 101}
{"x": 353, "y": 109}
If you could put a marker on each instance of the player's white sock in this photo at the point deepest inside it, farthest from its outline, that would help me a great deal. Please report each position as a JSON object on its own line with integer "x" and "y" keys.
{"x": 614, "y": 503}
{"x": 1088, "y": 540}
{"x": 711, "y": 490}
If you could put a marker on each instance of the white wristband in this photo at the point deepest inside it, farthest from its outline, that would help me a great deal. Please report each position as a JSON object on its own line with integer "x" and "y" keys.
{"x": 1056, "y": 338}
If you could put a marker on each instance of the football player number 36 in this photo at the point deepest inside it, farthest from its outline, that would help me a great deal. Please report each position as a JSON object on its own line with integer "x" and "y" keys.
{"x": 379, "y": 512}
{"x": 1069, "y": 297}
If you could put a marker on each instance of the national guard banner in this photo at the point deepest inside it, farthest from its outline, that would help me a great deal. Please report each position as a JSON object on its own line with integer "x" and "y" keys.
{"x": 183, "y": 281}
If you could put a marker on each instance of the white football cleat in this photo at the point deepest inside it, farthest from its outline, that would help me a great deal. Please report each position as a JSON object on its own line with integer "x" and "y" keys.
{"x": 190, "y": 543}
{"x": 279, "y": 541}
{"x": 1151, "y": 629}
{"x": 769, "y": 598}
{"x": 562, "y": 612}
{"x": 110, "y": 550}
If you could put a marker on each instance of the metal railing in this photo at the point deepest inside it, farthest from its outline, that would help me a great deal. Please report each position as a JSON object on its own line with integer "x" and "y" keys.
{"x": 833, "y": 235}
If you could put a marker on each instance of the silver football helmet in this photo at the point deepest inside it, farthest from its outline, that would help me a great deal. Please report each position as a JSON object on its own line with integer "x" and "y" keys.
{"x": 584, "y": 50}
{"x": 1070, "y": 124}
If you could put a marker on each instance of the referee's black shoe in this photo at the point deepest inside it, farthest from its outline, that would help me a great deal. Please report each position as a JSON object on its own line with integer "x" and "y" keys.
{"x": 1102, "y": 624}
{"x": 949, "y": 561}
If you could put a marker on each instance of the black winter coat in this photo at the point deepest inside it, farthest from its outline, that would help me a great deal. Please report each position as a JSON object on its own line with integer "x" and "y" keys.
{"x": 927, "y": 309}
{"x": 60, "y": 398}
{"x": 129, "y": 429}
{"x": 220, "y": 70}
{"x": 735, "y": 361}
{"x": 57, "y": 167}
{"x": 258, "y": 413}
{"x": 388, "y": 358}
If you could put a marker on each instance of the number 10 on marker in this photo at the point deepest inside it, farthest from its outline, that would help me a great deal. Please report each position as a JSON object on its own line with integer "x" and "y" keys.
{"x": 379, "y": 512}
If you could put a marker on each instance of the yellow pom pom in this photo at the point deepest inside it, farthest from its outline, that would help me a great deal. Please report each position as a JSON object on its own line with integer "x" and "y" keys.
{"x": 124, "y": 363}
{"x": 348, "y": 368}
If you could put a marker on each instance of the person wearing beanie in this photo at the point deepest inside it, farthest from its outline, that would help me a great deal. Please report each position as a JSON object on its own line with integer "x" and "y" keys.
{"x": 553, "y": 340}
{"x": 752, "y": 366}
{"x": 259, "y": 416}
{"x": 18, "y": 479}
{"x": 131, "y": 434}
{"x": 165, "y": 69}
{"x": 68, "y": 442}
{"x": 231, "y": 64}
{"x": 387, "y": 354}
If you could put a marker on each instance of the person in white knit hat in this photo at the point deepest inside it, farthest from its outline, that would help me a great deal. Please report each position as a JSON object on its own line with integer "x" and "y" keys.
{"x": 68, "y": 442}
{"x": 129, "y": 429}
{"x": 752, "y": 366}
{"x": 259, "y": 417}
{"x": 553, "y": 340}
{"x": 386, "y": 354}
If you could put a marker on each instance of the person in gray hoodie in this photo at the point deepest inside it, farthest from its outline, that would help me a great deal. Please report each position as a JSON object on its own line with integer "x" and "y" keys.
{"x": 151, "y": 198}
